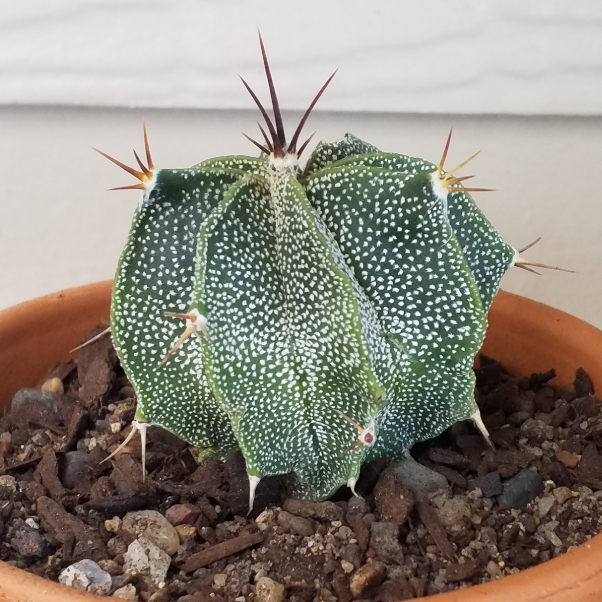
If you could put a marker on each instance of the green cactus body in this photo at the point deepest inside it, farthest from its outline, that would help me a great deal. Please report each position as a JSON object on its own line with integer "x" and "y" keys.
{"x": 394, "y": 233}
{"x": 337, "y": 311}
{"x": 487, "y": 254}
{"x": 156, "y": 273}
{"x": 290, "y": 346}
{"x": 327, "y": 153}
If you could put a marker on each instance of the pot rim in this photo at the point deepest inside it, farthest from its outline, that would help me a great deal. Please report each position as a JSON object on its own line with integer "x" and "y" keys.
{"x": 574, "y": 576}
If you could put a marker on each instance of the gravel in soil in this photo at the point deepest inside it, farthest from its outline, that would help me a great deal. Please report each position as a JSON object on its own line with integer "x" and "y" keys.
{"x": 454, "y": 514}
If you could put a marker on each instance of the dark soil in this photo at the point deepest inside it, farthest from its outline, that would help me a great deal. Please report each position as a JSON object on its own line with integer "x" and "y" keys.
{"x": 481, "y": 514}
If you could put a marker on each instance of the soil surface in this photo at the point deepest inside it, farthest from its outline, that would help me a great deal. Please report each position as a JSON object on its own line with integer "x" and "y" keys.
{"x": 463, "y": 514}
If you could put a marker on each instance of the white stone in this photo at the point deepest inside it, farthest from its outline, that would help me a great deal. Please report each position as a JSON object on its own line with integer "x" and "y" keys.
{"x": 545, "y": 504}
{"x": 347, "y": 566}
{"x": 267, "y": 590}
{"x": 30, "y": 522}
{"x": 553, "y": 538}
{"x": 87, "y": 576}
{"x": 154, "y": 527}
{"x": 127, "y": 592}
{"x": 8, "y": 483}
{"x": 562, "y": 494}
{"x": 453, "y": 511}
{"x": 145, "y": 558}
{"x": 112, "y": 525}
{"x": 265, "y": 516}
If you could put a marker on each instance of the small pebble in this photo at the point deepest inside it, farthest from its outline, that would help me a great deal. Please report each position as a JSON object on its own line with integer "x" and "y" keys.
{"x": 127, "y": 592}
{"x": 587, "y": 406}
{"x": 330, "y": 567}
{"x": 384, "y": 540}
{"x": 521, "y": 489}
{"x": 358, "y": 505}
{"x": 367, "y": 579}
{"x": 182, "y": 514}
{"x": 219, "y": 579}
{"x": 72, "y": 468}
{"x": 8, "y": 486}
{"x": 347, "y": 566}
{"x": 186, "y": 532}
{"x": 537, "y": 429}
{"x": 296, "y": 524}
{"x": 352, "y": 554}
{"x": 393, "y": 500}
{"x": 102, "y": 426}
{"x": 493, "y": 569}
{"x": 417, "y": 477}
{"x": 111, "y": 567}
{"x": 327, "y": 511}
{"x": 267, "y": 590}
{"x": 161, "y": 595}
{"x": 265, "y": 517}
{"x": 143, "y": 557}
{"x": 452, "y": 514}
{"x": 155, "y": 527}
{"x": 568, "y": 459}
{"x": 489, "y": 484}
{"x": 27, "y": 540}
{"x": 476, "y": 494}
{"x": 545, "y": 504}
{"x": 552, "y": 537}
{"x": 460, "y": 571}
{"x": 86, "y": 575}
{"x": 53, "y": 385}
{"x": 40, "y": 439}
{"x": 562, "y": 494}
{"x": 112, "y": 525}
{"x": 46, "y": 398}
{"x": 116, "y": 546}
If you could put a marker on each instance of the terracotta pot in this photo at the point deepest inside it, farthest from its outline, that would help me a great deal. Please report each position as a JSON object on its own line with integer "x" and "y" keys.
{"x": 524, "y": 335}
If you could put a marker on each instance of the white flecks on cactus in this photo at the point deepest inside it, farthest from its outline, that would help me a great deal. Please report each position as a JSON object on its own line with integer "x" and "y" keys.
{"x": 487, "y": 255}
{"x": 332, "y": 315}
{"x": 287, "y": 349}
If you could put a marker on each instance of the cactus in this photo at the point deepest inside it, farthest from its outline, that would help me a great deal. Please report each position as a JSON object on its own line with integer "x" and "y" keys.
{"x": 332, "y": 315}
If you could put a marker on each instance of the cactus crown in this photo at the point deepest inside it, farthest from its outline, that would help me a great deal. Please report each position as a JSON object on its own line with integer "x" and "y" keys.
{"x": 275, "y": 144}
{"x": 332, "y": 315}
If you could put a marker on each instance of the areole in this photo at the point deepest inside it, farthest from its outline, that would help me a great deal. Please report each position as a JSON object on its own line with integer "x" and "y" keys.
{"x": 523, "y": 335}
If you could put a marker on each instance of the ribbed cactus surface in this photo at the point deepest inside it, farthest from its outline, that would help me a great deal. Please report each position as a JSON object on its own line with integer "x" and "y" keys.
{"x": 331, "y": 315}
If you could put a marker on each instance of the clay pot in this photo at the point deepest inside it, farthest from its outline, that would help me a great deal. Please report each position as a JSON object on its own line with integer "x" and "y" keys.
{"x": 525, "y": 336}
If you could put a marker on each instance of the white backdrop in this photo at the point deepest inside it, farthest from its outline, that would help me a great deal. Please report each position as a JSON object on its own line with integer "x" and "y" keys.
{"x": 408, "y": 71}
{"x": 444, "y": 56}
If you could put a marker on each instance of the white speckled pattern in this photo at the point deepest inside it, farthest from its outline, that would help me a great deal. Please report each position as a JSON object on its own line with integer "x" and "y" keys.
{"x": 351, "y": 294}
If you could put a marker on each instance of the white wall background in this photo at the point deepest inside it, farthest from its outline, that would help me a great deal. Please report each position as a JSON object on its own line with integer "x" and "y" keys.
{"x": 520, "y": 80}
